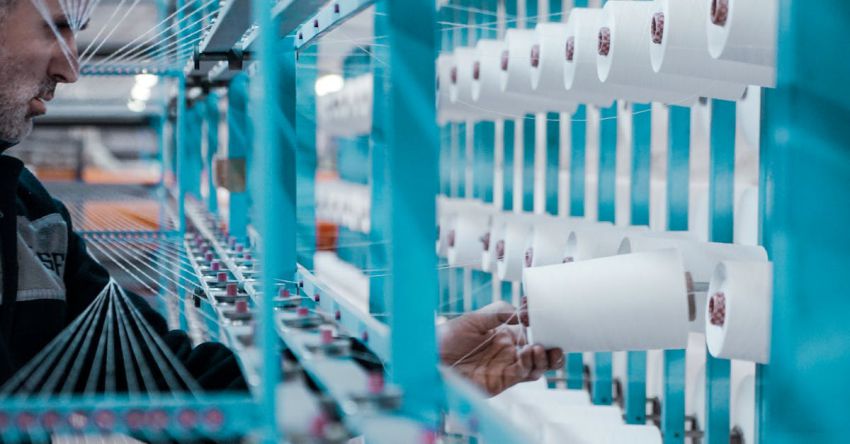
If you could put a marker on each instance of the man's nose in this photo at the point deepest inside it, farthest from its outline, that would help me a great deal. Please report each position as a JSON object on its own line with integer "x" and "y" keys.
{"x": 64, "y": 68}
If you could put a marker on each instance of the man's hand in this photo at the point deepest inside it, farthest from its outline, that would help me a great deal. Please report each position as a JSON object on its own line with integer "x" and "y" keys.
{"x": 489, "y": 347}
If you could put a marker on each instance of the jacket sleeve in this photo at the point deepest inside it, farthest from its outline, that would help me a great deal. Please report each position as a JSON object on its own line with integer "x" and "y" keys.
{"x": 85, "y": 278}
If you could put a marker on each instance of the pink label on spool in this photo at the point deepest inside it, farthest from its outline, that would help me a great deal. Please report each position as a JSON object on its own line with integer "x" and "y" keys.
{"x": 604, "y": 41}
{"x": 535, "y": 56}
{"x": 208, "y": 256}
{"x": 717, "y": 309}
{"x": 284, "y": 293}
{"x": 327, "y": 335}
{"x": 215, "y": 266}
{"x": 232, "y": 289}
{"x": 571, "y": 49}
{"x": 51, "y": 420}
{"x": 104, "y": 419}
{"x": 157, "y": 419}
{"x": 658, "y": 28}
{"x": 213, "y": 419}
{"x": 187, "y": 418}
{"x": 25, "y": 420}
{"x": 719, "y": 12}
{"x": 222, "y": 277}
{"x": 302, "y": 312}
{"x": 135, "y": 419}
{"x": 376, "y": 383}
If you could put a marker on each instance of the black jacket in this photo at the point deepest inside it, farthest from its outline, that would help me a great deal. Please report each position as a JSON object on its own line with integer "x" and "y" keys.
{"x": 48, "y": 277}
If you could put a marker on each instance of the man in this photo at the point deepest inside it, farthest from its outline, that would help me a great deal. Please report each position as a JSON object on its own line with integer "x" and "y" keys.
{"x": 48, "y": 277}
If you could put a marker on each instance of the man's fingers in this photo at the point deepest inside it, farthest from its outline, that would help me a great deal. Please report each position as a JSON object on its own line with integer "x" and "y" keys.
{"x": 494, "y": 315}
{"x": 541, "y": 361}
{"x": 556, "y": 358}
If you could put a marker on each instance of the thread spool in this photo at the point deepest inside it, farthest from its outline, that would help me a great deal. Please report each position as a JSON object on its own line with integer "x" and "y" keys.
{"x": 464, "y": 237}
{"x": 592, "y": 242}
{"x": 622, "y": 60}
{"x": 677, "y": 46}
{"x": 548, "y": 239}
{"x": 738, "y": 315}
{"x": 486, "y": 86}
{"x": 744, "y": 32}
{"x": 462, "y": 75}
{"x": 516, "y": 73}
{"x": 547, "y": 65}
{"x": 580, "y": 75}
{"x": 700, "y": 260}
{"x": 447, "y": 111}
{"x": 510, "y": 249}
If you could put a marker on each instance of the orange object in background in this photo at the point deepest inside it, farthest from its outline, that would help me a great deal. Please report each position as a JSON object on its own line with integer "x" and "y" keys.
{"x": 327, "y": 236}
{"x": 103, "y": 215}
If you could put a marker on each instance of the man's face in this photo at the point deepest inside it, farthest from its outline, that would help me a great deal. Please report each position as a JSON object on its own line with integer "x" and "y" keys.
{"x": 31, "y": 64}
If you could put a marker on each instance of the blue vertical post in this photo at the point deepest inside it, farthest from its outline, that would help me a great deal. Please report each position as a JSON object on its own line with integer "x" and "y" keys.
{"x": 306, "y": 161}
{"x": 484, "y": 133}
{"x": 678, "y": 179}
{"x": 239, "y": 142}
{"x": 805, "y": 190}
{"x": 212, "y": 118}
{"x": 183, "y": 157}
{"x": 194, "y": 166}
{"x": 635, "y": 388}
{"x": 721, "y": 221}
{"x": 412, "y": 148}
{"x": 381, "y": 208}
{"x": 578, "y": 134}
{"x": 602, "y": 375}
{"x": 181, "y": 136}
{"x": 274, "y": 118}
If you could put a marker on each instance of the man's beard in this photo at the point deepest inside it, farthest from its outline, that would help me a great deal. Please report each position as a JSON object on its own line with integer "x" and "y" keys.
{"x": 16, "y": 91}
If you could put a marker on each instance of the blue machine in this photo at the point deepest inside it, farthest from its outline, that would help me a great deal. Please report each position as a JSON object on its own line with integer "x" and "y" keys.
{"x": 407, "y": 159}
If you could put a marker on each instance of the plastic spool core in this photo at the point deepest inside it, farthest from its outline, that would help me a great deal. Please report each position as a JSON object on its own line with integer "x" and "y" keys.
{"x": 571, "y": 49}
{"x": 500, "y": 250}
{"x": 719, "y": 12}
{"x": 604, "y": 41}
{"x": 535, "y": 56}
{"x": 485, "y": 241}
{"x": 476, "y": 70}
{"x": 506, "y": 58}
{"x": 717, "y": 308}
{"x": 658, "y": 28}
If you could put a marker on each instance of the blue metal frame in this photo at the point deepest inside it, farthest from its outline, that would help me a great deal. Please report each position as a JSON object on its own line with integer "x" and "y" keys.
{"x": 306, "y": 161}
{"x": 678, "y": 178}
{"x": 275, "y": 126}
{"x": 805, "y": 176}
{"x": 412, "y": 174}
{"x": 602, "y": 375}
{"x": 212, "y": 119}
{"x": 380, "y": 212}
{"x": 239, "y": 142}
{"x": 721, "y": 224}
{"x": 634, "y": 390}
